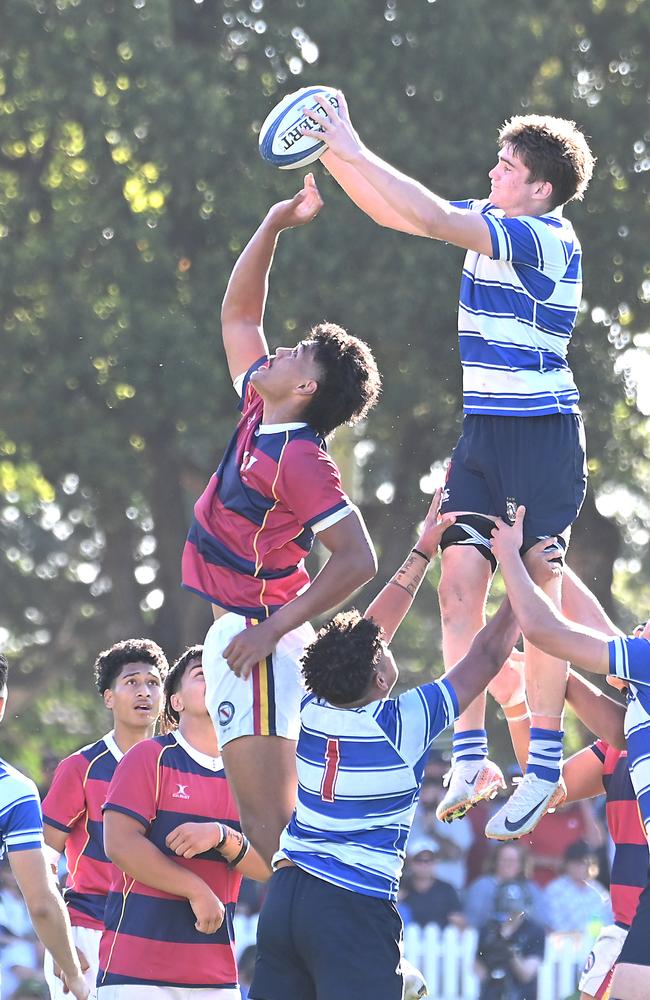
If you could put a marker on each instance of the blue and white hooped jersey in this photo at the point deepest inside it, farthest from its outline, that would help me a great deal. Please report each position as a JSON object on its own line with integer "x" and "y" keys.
{"x": 359, "y": 776}
{"x": 629, "y": 659}
{"x": 517, "y": 310}
{"x": 21, "y": 822}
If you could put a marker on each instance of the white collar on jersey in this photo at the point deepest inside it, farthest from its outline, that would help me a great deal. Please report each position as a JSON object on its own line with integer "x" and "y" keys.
{"x": 204, "y": 759}
{"x": 279, "y": 428}
{"x": 109, "y": 740}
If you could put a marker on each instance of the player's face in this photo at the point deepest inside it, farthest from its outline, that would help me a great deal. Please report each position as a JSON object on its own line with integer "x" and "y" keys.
{"x": 387, "y": 669}
{"x": 136, "y": 695}
{"x": 192, "y": 689}
{"x": 289, "y": 368}
{"x": 511, "y": 188}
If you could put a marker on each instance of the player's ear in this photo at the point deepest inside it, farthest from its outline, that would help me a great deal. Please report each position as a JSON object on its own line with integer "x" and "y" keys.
{"x": 108, "y": 698}
{"x": 176, "y": 702}
{"x": 306, "y": 388}
{"x": 544, "y": 190}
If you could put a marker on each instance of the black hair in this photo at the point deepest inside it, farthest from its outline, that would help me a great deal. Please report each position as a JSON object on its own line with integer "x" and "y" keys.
{"x": 4, "y": 670}
{"x": 553, "y": 150}
{"x": 349, "y": 382}
{"x": 338, "y": 664}
{"x": 110, "y": 662}
{"x": 170, "y": 716}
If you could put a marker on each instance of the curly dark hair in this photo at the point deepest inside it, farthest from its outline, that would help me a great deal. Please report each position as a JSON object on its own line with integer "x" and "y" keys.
{"x": 338, "y": 664}
{"x": 350, "y": 382}
{"x": 554, "y": 150}
{"x": 110, "y": 662}
{"x": 170, "y": 717}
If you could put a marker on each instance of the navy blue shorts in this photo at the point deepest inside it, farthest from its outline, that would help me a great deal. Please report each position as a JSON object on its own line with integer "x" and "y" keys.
{"x": 316, "y": 941}
{"x": 635, "y": 950}
{"x": 502, "y": 462}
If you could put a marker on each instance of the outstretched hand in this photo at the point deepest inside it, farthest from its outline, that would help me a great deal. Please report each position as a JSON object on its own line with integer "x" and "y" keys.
{"x": 435, "y": 524}
{"x": 334, "y": 127}
{"x": 544, "y": 561}
{"x": 508, "y": 538}
{"x": 249, "y": 647}
{"x": 302, "y": 208}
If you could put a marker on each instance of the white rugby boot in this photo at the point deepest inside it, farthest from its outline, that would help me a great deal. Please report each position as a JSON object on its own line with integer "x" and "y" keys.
{"x": 467, "y": 783}
{"x": 415, "y": 985}
{"x": 531, "y": 799}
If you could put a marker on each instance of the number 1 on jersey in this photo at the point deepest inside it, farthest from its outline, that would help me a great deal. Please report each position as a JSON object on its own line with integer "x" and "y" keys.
{"x": 330, "y": 774}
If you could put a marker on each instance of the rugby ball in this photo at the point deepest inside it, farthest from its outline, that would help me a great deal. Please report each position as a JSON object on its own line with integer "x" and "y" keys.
{"x": 280, "y": 140}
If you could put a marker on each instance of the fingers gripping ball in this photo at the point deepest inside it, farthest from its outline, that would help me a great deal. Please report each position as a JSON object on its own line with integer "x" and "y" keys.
{"x": 281, "y": 140}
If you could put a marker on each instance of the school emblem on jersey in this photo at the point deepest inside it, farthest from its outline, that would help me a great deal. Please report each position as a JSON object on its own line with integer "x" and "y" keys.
{"x": 181, "y": 793}
{"x": 511, "y": 509}
{"x": 225, "y": 712}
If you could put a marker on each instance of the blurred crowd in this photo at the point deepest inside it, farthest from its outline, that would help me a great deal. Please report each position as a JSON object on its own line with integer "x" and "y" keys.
{"x": 553, "y": 880}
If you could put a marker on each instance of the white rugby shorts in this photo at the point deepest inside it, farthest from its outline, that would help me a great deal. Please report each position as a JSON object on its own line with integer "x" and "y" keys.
{"x": 132, "y": 992}
{"x": 267, "y": 703}
{"x": 87, "y": 940}
{"x": 601, "y": 958}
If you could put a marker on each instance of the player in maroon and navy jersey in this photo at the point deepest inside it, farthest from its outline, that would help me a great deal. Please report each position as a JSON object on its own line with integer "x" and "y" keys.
{"x": 274, "y": 491}
{"x": 129, "y": 677}
{"x": 172, "y": 829}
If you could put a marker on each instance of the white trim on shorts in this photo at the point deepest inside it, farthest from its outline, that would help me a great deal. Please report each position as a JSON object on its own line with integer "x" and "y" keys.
{"x": 267, "y": 703}
{"x": 601, "y": 958}
{"x": 87, "y": 940}
{"x": 130, "y": 991}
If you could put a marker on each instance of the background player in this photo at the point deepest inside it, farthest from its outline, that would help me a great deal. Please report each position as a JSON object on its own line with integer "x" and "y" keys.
{"x": 329, "y": 927}
{"x": 171, "y": 826}
{"x": 519, "y": 296}
{"x": 21, "y": 835}
{"x": 129, "y": 677}
{"x": 625, "y": 658}
{"x": 276, "y": 488}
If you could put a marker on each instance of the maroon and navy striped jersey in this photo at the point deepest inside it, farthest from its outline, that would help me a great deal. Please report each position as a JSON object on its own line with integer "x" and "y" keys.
{"x": 74, "y": 805}
{"x": 255, "y": 522}
{"x": 150, "y": 937}
{"x": 629, "y": 875}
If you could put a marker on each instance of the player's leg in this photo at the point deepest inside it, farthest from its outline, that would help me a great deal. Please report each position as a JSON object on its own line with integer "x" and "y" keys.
{"x": 467, "y": 567}
{"x": 257, "y": 722}
{"x": 547, "y": 474}
{"x": 464, "y": 583}
{"x": 261, "y": 772}
{"x": 280, "y": 972}
{"x": 350, "y": 942}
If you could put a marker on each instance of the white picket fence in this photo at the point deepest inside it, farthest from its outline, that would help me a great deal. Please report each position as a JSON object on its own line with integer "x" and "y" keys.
{"x": 446, "y": 957}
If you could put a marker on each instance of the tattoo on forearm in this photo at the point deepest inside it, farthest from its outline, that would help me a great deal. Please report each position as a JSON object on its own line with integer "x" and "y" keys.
{"x": 410, "y": 575}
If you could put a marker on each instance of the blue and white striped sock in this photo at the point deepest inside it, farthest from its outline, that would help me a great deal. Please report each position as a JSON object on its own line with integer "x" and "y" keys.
{"x": 545, "y": 753}
{"x": 470, "y": 744}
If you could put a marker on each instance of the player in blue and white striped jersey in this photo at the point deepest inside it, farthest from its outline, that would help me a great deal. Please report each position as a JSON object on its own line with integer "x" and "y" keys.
{"x": 21, "y": 836}
{"x": 329, "y": 927}
{"x": 523, "y": 438}
{"x": 626, "y": 660}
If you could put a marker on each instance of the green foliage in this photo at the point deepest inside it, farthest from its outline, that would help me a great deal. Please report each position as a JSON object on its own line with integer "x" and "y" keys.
{"x": 130, "y": 180}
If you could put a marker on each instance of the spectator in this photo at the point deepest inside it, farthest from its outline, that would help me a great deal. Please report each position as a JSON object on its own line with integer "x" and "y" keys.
{"x": 481, "y": 895}
{"x": 510, "y": 948}
{"x": 428, "y": 899}
{"x": 553, "y": 834}
{"x": 574, "y": 901}
{"x": 453, "y": 839}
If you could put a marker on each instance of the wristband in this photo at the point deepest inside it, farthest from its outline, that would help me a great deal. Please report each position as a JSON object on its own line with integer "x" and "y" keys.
{"x": 224, "y": 834}
{"x": 245, "y": 847}
{"x": 418, "y": 553}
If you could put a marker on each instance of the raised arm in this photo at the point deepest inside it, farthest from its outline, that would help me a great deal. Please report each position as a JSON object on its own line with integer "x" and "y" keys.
{"x": 242, "y": 310}
{"x": 391, "y": 605}
{"x": 389, "y": 197}
{"x": 539, "y": 620}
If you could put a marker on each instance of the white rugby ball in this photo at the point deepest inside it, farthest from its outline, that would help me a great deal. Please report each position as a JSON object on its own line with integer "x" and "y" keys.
{"x": 280, "y": 140}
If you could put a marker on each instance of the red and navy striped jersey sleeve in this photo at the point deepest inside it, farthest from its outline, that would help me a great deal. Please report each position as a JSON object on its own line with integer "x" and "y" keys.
{"x": 309, "y": 484}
